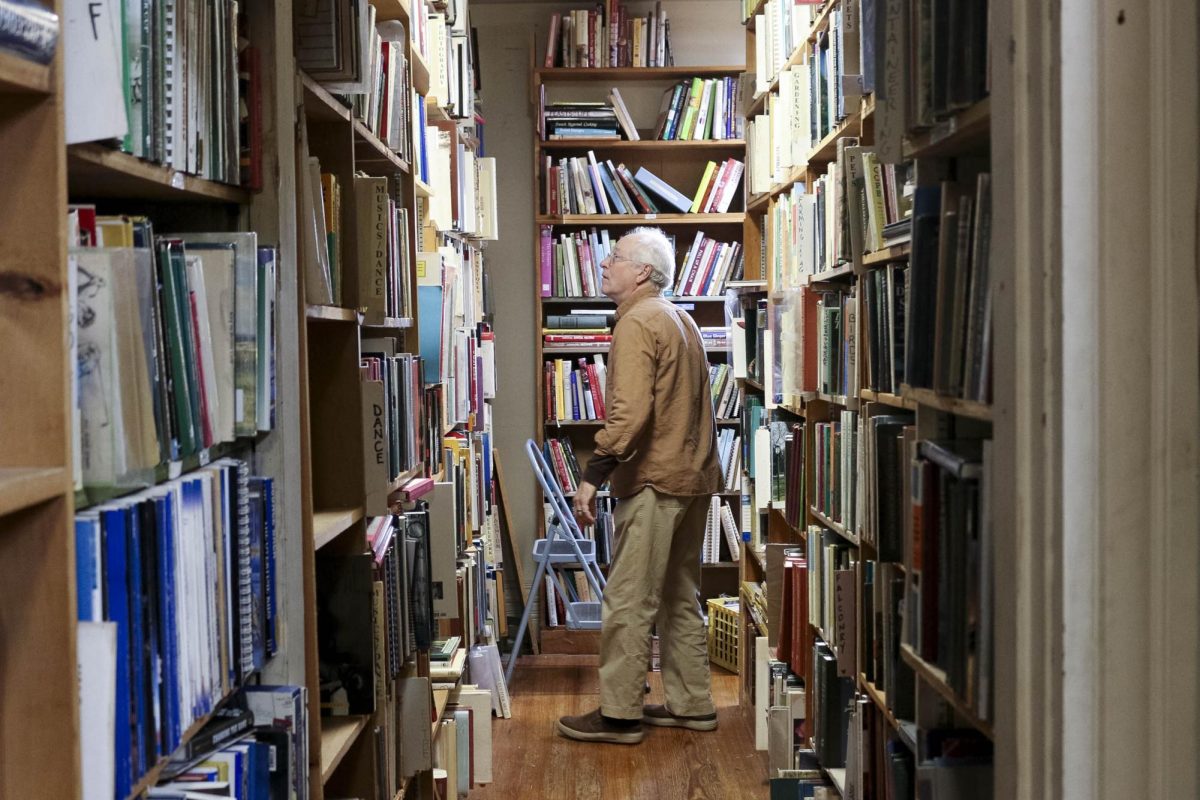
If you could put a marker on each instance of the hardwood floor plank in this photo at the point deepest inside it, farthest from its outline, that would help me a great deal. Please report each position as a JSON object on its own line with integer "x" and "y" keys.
{"x": 530, "y": 759}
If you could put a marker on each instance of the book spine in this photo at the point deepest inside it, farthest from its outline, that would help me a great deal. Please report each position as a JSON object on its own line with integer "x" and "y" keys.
{"x": 547, "y": 261}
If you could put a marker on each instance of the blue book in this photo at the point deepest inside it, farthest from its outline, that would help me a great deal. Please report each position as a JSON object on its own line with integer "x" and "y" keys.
{"x": 137, "y": 636}
{"x": 87, "y": 560}
{"x": 429, "y": 321}
{"x": 167, "y": 628}
{"x": 269, "y": 561}
{"x": 258, "y": 599}
{"x": 652, "y": 183}
{"x": 116, "y": 581}
{"x": 574, "y": 394}
{"x": 611, "y": 190}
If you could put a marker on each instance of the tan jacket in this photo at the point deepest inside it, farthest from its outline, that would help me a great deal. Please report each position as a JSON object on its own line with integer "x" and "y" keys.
{"x": 660, "y": 430}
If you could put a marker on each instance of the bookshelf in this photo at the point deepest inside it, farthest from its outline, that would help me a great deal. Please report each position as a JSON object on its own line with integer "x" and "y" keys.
{"x": 874, "y": 402}
{"x": 313, "y": 449}
{"x": 680, "y": 163}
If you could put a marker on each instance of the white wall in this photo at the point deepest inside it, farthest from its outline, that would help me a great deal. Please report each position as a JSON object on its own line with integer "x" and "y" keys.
{"x": 702, "y": 32}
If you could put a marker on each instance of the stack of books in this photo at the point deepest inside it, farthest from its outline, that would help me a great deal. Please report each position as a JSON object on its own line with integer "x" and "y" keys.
{"x": 608, "y": 36}
{"x": 575, "y": 390}
{"x": 700, "y": 108}
{"x": 576, "y": 120}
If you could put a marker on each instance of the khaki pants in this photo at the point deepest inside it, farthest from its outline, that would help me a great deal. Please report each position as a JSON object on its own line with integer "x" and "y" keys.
{"x": 655, "y": 578}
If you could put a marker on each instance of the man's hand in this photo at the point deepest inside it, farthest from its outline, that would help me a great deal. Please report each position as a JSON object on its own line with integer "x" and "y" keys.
{"x": 584, "y": 505}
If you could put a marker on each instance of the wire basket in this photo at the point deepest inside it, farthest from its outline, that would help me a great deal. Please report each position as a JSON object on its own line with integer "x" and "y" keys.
{"x": 723, "y": 632}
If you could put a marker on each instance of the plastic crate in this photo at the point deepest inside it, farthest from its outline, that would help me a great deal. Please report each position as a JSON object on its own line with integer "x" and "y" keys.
{"x": 723, "y": 632}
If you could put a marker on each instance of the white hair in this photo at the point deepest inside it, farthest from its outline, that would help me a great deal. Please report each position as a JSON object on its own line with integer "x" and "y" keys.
{"x": 651, "y": 246}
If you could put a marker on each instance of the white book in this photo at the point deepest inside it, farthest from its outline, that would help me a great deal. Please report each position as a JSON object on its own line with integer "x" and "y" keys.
{"x": 96, "y": 658}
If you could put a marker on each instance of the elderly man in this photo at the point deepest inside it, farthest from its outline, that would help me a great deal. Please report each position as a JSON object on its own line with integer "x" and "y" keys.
{"x": 658, "y": 445}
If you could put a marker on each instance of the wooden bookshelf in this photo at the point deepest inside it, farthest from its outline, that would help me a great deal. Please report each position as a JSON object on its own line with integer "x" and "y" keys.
{"x": 338, "y": 735}
{"x": 371, "y": 149}
{"x": 642, "y": 219}
{"x": 836, "y": 527}
{"x": 893, "y": 400}
{"x": 21, "y": 76}
{"x": 936, "y": 679}
{"x": 389, "y": 324}
{"x": 842, "y": 273}
{"x": 328, "y": 525}
{"x": 96, "y": 171}
{"x": 643, "y": 145}
{"x": 21, "y": 488}
{"x": 888, "y": 255}
{"x": 319, "y": 104}
{"x": 951, "y": 405}
{"x": 967, "y": 131}
{"x": 630, "y": 74}
{"x": 332, "y": 314}
{"x": 420, "y": 71}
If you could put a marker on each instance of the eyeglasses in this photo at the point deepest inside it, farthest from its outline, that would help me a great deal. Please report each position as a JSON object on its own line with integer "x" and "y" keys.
{"x": 614, "y": 257}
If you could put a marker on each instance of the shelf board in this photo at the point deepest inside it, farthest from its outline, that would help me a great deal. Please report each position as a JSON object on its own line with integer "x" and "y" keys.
{"x": 826, "y": 150}
{"x": 758, "y": 9}
{"x": 420, "y": 72}
{"x": 328, "y": 525}
{"x": 423, "y": 188}
{"x": 621, "y": 145}
{"x": 791, "y": 409}
{"x": 441, "y": 698}
{"x": 759, "y": 555}
{"x": 750, "y": 383}
{"x": 636, "y": 219}
{"x": 951, "y": 405}
{"x": 747, "y": 287}
{"x": 372, "y": 150}
{"x": 21, "y": 76}
{"x": 721, "y": 565}
{"x": 94, "y": 170}
{"x": 435, "y": 112}
{"x": 888, "y": 255}
{"x": 838, "y": 777}
{"x": 563, "y": 74}
{"x": 833, "y": 399}
{"x": 22, "y": 487}
{"x": 320, "y": 104}
{"x": 607, "y": 301}
{"x": 937, "y": 681}
{"x": 795, "y": 175}
{"x": 389, "y": 323}
{"x": 836, "y": 527}
{"x": 404, "y": 478}
{"x": 337, "y": 736}
{"x": 893, "y": 400}
{"x": 332, "y": 314}
{"x": 836, "y": 274}
{"x": 151, "y": 776}
{"x": 392, "y": 9}
{"x": 902, "y": 728}
{"x": 967, "y": 131}
{"x": 574, "y": 423}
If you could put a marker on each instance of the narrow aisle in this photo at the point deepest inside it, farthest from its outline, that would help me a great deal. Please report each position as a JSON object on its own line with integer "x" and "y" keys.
{"x": 530, "y": 759}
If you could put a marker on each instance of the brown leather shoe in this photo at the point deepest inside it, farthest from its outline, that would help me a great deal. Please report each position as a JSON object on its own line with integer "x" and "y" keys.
{"x": 593, "y": 727}
{"x": 660, "y": 716}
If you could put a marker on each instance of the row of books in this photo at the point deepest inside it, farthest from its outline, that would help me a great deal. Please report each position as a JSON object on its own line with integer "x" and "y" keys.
{"x": 375, "y": 607}
{"x": 560, "y": 456}
{"x": 575, "y": 390}
{"x": 386, "y": 104}
{"x": 718, "y": 186}
{"x": 467, "y": 200}
{"x": 570, "y": 264}
{"x": 949, "y": 599}
{"x": 707, "y": 266}
{"x": 720, "y": 523}
{"x": 832, "y": 606}
{"x": 159, "y": 654}
{"x": 700, "y": 109}
{"x": 835, "y": 469}
{"x": 174, "y": 342}
{"x": 373, "y": 281}
{"x": 948, "y": 315}
{"x": 253, "y": 748}
{"x": 160, "y": 78}
{"x": 780, "y": 26}
{"x": 789, "y": 484}
{"x": 609, "y": 36}
{"x": 884, "y": 300}
{"x": 729, "y": 454}
{"x": 833, "y": 64}
{"x": 585, "y": 185}
{"x": 884, "y": 438}
{"x": 726, "y": 393}
{"x": 393, "y": 418}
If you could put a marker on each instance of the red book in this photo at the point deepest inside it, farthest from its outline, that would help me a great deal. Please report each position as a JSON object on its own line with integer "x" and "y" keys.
{"x": 552, "y": 40}
{"x": 594, "y": 383}
{"x": 206, "y": 424}
{"x": 718, "y": 186}
{"x": 551, "y": 407}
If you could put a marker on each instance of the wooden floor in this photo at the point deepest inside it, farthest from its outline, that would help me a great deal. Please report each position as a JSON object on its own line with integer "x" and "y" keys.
{"x": 531, "y": 760}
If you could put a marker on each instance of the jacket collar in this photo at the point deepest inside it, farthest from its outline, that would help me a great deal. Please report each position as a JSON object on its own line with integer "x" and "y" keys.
{"x": 647, "y": 289}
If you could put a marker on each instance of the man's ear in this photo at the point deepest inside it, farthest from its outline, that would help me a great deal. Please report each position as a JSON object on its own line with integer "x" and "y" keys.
{"x": 644, "y": 275}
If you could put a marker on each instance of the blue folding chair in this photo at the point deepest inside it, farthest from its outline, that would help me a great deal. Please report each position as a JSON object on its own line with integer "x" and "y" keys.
{"x": 564, "y": 547}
